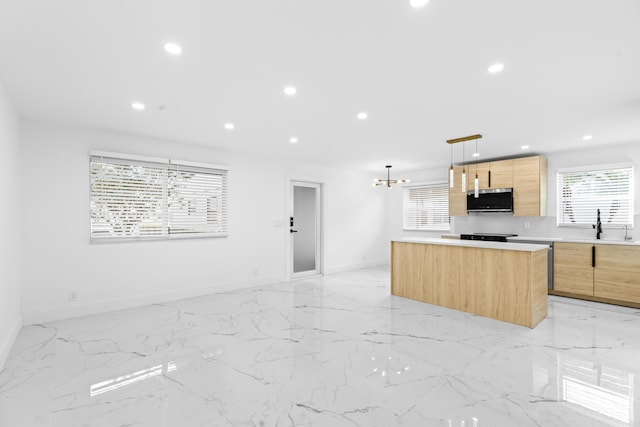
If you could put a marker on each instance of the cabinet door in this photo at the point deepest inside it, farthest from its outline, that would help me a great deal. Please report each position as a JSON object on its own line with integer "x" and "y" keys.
{"x": 617, "y": 272}
{"x": 483, "y": 175}
{"x": 457, "y": 198}
{"x": 572, "y": 270}
{"x": 501, "y": 174}
{"x": 530, "y": 186}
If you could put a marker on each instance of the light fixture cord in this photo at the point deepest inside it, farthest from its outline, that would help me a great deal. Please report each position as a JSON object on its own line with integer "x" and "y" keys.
{"x": 477, "y": 158}
{"x": 463, "y": 144}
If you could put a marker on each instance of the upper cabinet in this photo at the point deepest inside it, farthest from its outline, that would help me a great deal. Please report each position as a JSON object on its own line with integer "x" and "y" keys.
{"x": 457, "y": 197}
{"x": 501, "y": 174}
{"x": 527, "y": 176}
{"x": 530, "y": 186}
{"x": 498, "y": 174}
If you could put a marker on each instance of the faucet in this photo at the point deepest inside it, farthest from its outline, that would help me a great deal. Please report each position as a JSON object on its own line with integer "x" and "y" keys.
{"x": 598, "y": 226}
{"x": 627, "y": 236}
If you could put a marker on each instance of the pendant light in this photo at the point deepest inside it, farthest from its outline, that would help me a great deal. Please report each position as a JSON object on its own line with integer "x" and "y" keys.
{"x": 463, "y": 186}
{"x": 475, "y": 182}
{"x": 387, "y": 182}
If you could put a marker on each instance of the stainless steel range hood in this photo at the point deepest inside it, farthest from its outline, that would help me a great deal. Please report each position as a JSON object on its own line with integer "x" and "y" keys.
{"x": 492, "y": 200}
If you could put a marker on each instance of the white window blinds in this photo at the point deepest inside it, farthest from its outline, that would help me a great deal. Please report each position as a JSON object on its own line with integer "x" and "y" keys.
{"x": 426, "y": 207}
{"x": 581, "y": 192}
{"x": 133, "y": 199}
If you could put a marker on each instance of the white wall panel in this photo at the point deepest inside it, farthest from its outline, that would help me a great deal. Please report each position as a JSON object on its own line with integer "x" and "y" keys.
{"x": 10, "y": 310}
{"x": 58, "y": 257}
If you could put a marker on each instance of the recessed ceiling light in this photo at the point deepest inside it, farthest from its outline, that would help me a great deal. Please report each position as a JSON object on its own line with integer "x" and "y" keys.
{"x": 229, "y": 126}
{"x": 496, "y": 68}
{"x": 587, "y": 137}
{"x": 293, "y": 140}
{"x": 173, "y": 48}
{"x": 524, "y": 147}
{"x": 290, "y": 90}
{"x": 418, "y": 3}
{"x": 363, "y": 116}
{"x": 137, "y": 106}
{"x": 476, "y": 154}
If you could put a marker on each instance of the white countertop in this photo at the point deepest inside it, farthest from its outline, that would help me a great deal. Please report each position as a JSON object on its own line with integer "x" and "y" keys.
{"x": 572, "y": 240}
{"x": 560, "y": 239}
{"x": 475, "y": 244}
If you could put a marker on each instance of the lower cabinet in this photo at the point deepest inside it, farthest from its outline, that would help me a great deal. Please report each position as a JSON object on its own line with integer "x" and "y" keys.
{"x": 610, "y": 273}
{"x": 617, "y": 273}
{"x": 572, "y": 269}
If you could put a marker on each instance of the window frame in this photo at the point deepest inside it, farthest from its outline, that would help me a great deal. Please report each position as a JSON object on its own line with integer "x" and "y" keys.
{"x": 591, "y": 169}
{"x": 170, "y": 166}
{"x": 405, "y": 198}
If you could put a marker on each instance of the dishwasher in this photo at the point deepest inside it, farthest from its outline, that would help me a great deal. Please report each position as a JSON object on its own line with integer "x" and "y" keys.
{"x": 549, "y": 255}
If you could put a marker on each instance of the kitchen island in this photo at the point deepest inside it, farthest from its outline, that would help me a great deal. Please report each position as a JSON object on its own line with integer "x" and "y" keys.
{"x": 503, "y": 281}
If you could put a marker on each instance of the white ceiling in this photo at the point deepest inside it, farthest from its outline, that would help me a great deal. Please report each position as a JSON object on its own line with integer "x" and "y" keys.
{"x": 572, "y": 67}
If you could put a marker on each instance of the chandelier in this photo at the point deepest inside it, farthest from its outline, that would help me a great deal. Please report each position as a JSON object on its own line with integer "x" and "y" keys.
{"x": 387, "y": 182}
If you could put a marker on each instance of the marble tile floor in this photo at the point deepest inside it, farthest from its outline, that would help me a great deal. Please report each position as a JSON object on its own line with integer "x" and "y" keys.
{"x": 330, "y": 351}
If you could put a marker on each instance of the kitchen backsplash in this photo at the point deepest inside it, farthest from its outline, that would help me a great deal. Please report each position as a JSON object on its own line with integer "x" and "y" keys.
{"x": 538, "y": 227}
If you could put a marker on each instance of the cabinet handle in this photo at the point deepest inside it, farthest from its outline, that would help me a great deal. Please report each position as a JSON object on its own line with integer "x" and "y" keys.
{"x": 593, "y": 256}
{"x": 489, "y": 179}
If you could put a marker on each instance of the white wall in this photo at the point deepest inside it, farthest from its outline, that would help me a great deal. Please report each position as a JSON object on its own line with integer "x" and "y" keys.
{"x": 395, "y": 214}
{"x": 539, "y": 226}
{"x": 57, "y": 255}
{"x": 10, "y": 313}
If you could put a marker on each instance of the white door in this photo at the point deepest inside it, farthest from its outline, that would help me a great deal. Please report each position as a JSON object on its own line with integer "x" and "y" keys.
{"x": 304, "y": 228}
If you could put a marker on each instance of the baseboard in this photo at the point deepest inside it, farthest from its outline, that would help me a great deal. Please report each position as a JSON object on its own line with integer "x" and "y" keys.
{"x": 7, "y": 345}
{"x": 357, "y": 266}
{"x": 78, "y": 309}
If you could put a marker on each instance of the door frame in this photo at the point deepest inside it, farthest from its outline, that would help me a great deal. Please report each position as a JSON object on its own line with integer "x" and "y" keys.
{"x": 318, "y": 184}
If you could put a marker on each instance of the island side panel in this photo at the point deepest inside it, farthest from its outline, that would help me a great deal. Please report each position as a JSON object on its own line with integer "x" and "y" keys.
{"x": 501, "y": 285}
{"x": 539, "y": 287}
{"x": 407, "y": 264}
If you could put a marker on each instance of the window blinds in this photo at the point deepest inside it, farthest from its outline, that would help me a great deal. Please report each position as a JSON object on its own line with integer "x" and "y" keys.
{"x": 426, "y": 207}
{"x": 133, "y": 198}
{"x": 581, "y": 192}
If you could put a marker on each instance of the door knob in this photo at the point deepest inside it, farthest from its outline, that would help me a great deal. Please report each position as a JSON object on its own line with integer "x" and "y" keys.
{"x": 293, "y": 231}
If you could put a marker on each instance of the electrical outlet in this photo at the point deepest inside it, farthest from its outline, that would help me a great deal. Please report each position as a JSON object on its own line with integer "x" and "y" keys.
{"x": 527, "y": 224}
{"x": 73, "y": 296}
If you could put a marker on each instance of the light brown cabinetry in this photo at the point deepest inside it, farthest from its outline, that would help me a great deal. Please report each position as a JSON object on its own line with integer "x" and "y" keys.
{"x": 572, "y": 270}
{"x": 597, "y": 272}
{"x": 617, "y": 273}
{"x": 527, "y": 176}
{"x": 483, "y": 175}
{"x": 530, "y": 186}
{"x": 498, "y": 174}
{"x": 502, "y": 284}
{"x": 457, "y": 197}
{"x": 501, "y": 174}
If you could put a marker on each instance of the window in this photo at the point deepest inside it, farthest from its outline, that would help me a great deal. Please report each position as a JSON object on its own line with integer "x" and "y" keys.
{"x": 135, "y": 198}
{"x": 582, "y": 191}
{"x": 426, "y": 207}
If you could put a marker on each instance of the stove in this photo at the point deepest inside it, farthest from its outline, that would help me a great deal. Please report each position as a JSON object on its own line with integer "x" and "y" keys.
{"x": 492, "y": 237}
